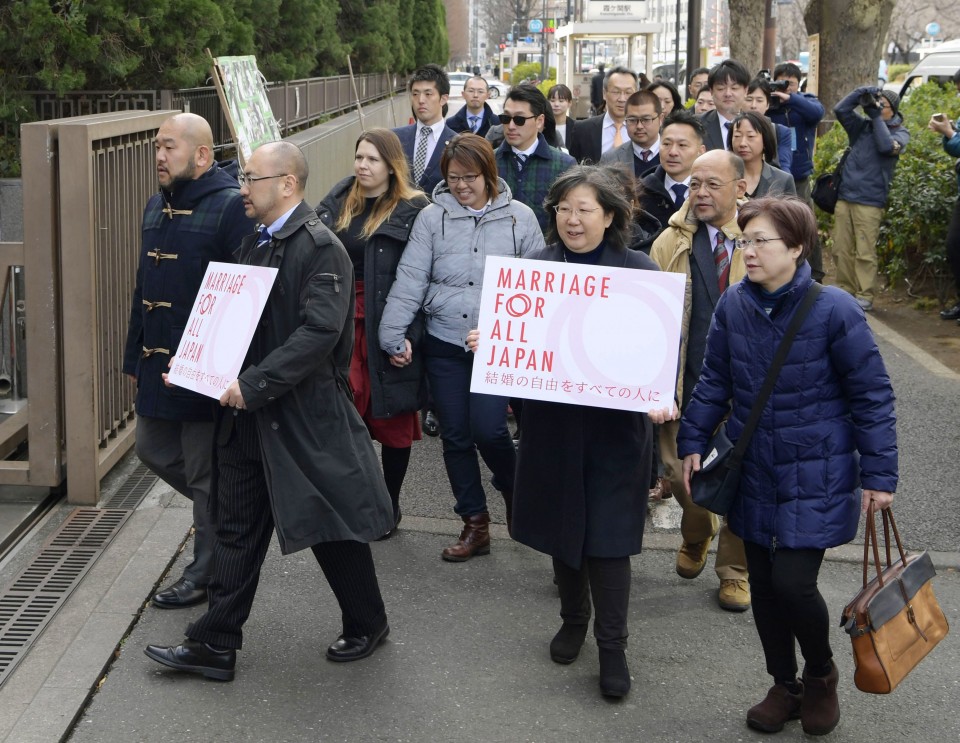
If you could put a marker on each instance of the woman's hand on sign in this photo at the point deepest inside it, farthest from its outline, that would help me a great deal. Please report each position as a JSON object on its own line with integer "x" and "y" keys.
{"x": 473, "y": 340}
{"x": 691, "y": 464}
{"x": 232, "y": 397}
{"x": 662, "y": 415}
{"x": 405, "y": 358}
{"x": 166, "y": 377}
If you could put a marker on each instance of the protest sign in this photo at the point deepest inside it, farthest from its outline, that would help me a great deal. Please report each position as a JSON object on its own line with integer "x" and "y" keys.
{"x": 587, "y": 335}
{"x": 221, "y": 326}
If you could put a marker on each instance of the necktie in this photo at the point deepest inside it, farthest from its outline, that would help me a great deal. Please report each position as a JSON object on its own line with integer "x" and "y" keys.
{"x": 263, "y": 236}
{"x": 520, "y": 159}
{"x": 645, "y": 155}
{"x": 679, "y": 193}
{"x": 726, "y": 133}
{"x": 420, "y": 156}
{"x": 617, "y": 137}
{"x": 474, "y": 123}
{"x": 722, "y": 260}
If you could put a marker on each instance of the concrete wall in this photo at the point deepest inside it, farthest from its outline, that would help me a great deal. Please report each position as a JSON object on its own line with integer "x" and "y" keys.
{"x": 11, "y": 210}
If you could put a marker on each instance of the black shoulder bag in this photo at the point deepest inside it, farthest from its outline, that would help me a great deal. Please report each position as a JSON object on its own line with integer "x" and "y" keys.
{"x": 826, "y": 189}
{"x": 717, "y": 483}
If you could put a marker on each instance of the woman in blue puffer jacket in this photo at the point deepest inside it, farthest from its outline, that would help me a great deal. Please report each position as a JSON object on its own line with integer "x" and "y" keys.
{"x": 826, "y": 446}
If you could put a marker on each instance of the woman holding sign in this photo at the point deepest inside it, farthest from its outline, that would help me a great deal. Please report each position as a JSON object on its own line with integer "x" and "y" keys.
{"x": 583, "y": 472}
{"x": 441, "y": 275}
{"x": 372, "y": 213}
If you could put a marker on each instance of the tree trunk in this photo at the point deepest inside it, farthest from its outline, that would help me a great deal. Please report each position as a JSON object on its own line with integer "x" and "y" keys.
{"x": 852, "y": 34}
{"x": 746, "y": 32}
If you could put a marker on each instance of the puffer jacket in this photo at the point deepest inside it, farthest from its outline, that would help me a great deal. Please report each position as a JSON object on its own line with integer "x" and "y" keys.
{"x": 671, "y": 252}
{"x": 827, "y": 430}
{"x": 800, "y": 113}
{"x": 875, "y": 145}
{"x": 441, "y": 269}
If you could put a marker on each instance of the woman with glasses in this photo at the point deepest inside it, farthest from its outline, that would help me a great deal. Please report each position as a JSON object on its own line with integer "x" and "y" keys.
{"x": 583, "y": 473}
{"x": 372, "y": 213}
{"x": 752, "y": 138}
{"x": 440, "y": 276}
{"x": 826, "y": 446}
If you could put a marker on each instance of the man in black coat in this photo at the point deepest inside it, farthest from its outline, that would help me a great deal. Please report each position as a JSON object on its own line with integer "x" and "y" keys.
{"x": 293, "y": 453}
{"x": 476, "y": 116}
{"x": 667, "y": 187}
{"x": 728, "y": 83}
{"x": 596, "y": 135}
{"x": 196, "y": 217}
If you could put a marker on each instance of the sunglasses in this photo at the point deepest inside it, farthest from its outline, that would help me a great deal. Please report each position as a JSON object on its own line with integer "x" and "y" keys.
{"x": 517, "y": 120}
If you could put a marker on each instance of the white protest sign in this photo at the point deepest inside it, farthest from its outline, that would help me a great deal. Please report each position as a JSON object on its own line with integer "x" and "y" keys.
{"x": 221, "y": 326}
{"x": 586, "y": 335}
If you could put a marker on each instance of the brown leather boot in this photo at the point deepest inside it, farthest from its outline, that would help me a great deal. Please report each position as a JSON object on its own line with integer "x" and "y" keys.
{"x": 777, "y": 708}
{"x": 820, "y": 709}
{"x": 474, "y": 539}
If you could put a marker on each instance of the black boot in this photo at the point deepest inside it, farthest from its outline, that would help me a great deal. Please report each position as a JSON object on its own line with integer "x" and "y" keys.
{"x": 614, "y": 674}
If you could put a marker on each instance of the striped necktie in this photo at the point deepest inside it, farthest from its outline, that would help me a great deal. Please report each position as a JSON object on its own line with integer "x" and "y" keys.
{"x": 521, "y": 159}
{"x": 474, "y": 123}
{"x": 263, "y": 237}
{"x": 722, "y": 260}
{"x": 420, "y": 156}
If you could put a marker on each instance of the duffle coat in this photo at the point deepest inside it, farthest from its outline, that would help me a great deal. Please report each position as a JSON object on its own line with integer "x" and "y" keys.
{"x": 583, "y": 473}
{"x": 184, "y": 228}
{"x": 323, "y": 476}
{"x": 393, "y": 389}
{"x": 827, "y": 430}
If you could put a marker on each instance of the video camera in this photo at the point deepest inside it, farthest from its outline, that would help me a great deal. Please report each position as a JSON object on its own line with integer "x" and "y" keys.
{"x": 779, "y": 86}
{"x": 869, "y": 99}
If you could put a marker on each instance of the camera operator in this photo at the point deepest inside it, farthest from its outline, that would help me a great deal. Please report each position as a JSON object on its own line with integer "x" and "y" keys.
{"x": 799, "y": 112}
{"x": 876, "y": 142}
{"x": 940, "y": 124}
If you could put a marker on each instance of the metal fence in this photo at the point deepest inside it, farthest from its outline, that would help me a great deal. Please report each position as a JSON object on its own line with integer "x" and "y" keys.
{"x": 295, "y": 104}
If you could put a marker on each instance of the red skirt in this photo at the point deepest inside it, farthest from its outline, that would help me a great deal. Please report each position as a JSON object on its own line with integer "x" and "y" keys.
{"x": 399, "y": 431}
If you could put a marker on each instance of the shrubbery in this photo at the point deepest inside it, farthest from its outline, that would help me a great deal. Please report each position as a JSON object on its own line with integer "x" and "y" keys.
{"x": 924, "y": 189}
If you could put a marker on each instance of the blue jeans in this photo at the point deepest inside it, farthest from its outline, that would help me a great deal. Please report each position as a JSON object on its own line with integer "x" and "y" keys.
{"x": 468, "y": 422}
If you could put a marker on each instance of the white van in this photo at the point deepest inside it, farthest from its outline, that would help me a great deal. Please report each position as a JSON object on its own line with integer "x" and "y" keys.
{"x": 939, "y": 65}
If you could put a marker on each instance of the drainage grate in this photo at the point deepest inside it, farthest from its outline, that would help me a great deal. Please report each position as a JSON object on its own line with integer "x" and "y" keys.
{"x": 131, "y": 492}
{"x": 31, "y": 601}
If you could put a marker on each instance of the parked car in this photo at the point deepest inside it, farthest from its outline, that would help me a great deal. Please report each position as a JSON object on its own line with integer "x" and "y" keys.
{"x": 458, "y": 79}
{"x": 939, "y": 65}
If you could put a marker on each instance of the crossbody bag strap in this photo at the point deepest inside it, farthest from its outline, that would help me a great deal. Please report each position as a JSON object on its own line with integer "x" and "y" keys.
{"x": 782, "y": 350}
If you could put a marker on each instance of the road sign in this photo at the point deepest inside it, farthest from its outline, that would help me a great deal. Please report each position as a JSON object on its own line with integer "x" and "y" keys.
{"x": 535, "y": 26}
{"x": 932, "y": 29}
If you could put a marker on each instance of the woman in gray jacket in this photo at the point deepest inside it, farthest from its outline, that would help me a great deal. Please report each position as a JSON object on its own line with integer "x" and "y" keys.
{"x": 440, "y": 274}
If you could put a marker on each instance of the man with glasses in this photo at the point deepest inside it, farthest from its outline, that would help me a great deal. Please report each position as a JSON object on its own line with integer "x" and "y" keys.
{"x": 524, "y": 160}
{"x": 476, "y": 116}
{"x": 877, "y": 141}
{"x": 642, "y": 152}
{"x": 728, "y": 83}
{"x": 293, "y": 454}
{"x": 423, "y": 142}
{"x": 196, "y": 217}
{"x": 596, "y": 135}
{"x": 700, "y": 243}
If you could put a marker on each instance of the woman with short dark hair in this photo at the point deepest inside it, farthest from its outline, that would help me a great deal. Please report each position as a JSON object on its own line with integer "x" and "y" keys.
{"x": 668, "y": 94}
{"x": 752, "y": 138}
{"x": 824, "y": 449}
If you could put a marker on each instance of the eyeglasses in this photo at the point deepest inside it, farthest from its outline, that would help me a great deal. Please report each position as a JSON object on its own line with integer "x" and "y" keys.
{"x": 618, "y": 94}
{"x": 634, "y": 120}
{"x": 243, "y": 179}
{"x": 566, "y": 212}
{"x": 518, "y": 120}
{"x": 712, "y": 185}
{"x": 453, "y": 180}
{"x": 742, "y": 243}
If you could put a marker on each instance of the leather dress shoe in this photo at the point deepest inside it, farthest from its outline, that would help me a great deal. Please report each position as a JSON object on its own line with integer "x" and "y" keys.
{"x": 181, "y": 594}
{"x": 953, "y": 313}
{"x": 429, "y": 423}
{"x": 346, "y": 649}
{"x": 195, "y": 657}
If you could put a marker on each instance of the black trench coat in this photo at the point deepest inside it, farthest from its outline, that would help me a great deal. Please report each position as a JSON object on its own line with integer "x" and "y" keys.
{"x": 323, "y": 477}
{"x": 583, "y": 473}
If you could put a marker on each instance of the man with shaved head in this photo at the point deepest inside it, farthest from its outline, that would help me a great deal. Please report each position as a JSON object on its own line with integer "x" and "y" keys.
{"x": 197, "y": 216}
{"x": 699, "y": 242}
{"x": 293, "y": 454}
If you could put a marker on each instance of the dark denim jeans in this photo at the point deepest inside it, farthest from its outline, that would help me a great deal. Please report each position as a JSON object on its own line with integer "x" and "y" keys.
{"x": 468, "y": 422}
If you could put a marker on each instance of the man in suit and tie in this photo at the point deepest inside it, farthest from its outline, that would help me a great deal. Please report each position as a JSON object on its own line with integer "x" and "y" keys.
{"x": 642, "y": 152}
{"x": 424, "y": 141}
{"x": 666, "y": 188}
{"x": 728, "y": 83}
{"x": 596, "y": 135}
{"x": 476, "y": 116}
{"x": 699, "y": 243}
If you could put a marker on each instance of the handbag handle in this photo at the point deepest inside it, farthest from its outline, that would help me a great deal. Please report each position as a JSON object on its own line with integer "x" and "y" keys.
{"x": 870, "y": 538}
{"x": 736, "y": 456}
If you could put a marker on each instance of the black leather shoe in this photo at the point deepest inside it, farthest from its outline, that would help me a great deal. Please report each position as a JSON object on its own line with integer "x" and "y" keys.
{"x": 346, "y": 649}
{"x": 951, "y": 314}
{"x": 181, "y": 594}
{"x": 195, "y": 657}
{"x": 430, "y": 424}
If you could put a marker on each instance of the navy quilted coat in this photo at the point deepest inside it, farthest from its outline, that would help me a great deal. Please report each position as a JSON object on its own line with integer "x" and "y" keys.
{"x": 827, "y": 429}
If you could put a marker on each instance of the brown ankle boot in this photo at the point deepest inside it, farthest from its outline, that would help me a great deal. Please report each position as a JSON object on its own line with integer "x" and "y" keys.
{"x": 820, "y": 709}
{"x": 777, "y": 708}
{"x": 474, "y": 539}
